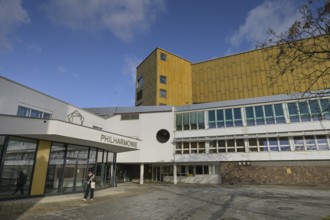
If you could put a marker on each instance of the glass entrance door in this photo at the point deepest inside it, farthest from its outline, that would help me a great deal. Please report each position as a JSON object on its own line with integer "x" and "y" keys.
{"x": 74, "y": 175}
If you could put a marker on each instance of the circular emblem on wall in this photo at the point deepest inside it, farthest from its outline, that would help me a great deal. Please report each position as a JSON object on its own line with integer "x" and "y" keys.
{"x": 163, "y": 136}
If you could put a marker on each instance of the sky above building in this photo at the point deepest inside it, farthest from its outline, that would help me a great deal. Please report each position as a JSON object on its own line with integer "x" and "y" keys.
{"x": 85, "y": 52}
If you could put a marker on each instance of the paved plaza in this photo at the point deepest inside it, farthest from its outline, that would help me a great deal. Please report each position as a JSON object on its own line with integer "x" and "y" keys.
{"x": 131, "y": 201}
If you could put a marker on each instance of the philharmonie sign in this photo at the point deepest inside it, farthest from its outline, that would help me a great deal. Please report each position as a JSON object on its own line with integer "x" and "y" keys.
{"x": 118, "y": 141}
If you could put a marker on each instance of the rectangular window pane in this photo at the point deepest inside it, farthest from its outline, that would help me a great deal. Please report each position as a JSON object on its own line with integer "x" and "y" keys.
{"x": 325, "y": 106}
{"x": 253, "y": 145}
{"x": 269, "y": 113}
{"x": 273, "y": 144}
{"x": 22, "y": 111}
{"x": 263, "y": 146}
{"x": 310, "y": 143}
{"x": 17, "y": 166}
{"x": 259, "y": 115}
{"x": 249, "y": 115}
{"x": 279, "y": 114}
{"x": 201, "y": 123}
{"x": 293, "y": 112}
{"x": 238, "y": 117}
{"x": 229, "y": 118}
{"x": 315, "y": 109}
{"x": 304, "y": 111}
{"x": 185, "y": 121}
{"x": 298, "y": 143}
{"x": 193, "y": 120}
{"x": 220, "y": 119}
{"x": 211, "y": 115}
{"x": 178, "y": 122}
{"x": 322, "y": 142}
{"x": 284, "y": 144}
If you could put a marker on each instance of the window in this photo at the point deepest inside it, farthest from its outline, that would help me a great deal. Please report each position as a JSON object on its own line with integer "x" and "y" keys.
{"x": 163, "y": 56}
{"x": 193, "y": 120}
{"x": 139, "y": 83}
{"x": 163, "y": 79}
{"x": 178, "y": 122}
{"x": 139, "y": 95}
{"x": 130, "y": 116}
{"x": 249, "y": 111}
{"x": 201, "y": 121}
{"x": 163, "y": 93}
{"x": 32, "y": 113}
{"x": 322, "y": 142}
{"x": 211, "y": 119}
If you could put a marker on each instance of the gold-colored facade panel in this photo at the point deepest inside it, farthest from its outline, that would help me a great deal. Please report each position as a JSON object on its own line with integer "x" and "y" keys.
{"x": 40, "y": 169}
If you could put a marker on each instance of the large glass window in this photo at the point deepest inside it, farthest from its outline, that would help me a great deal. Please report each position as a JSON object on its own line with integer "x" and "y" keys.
{"x": 17, "y": 166}
{"x": 190, "y": 121}
{"x": 55, "y": 168}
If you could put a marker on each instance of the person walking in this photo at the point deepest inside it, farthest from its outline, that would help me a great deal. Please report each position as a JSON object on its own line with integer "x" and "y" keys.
{"x": 20, "y": 182}
{"x": 90, "y": 186}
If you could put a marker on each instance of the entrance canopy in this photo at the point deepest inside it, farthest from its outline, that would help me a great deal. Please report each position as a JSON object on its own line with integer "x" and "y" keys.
{"x": 61, "y": 131}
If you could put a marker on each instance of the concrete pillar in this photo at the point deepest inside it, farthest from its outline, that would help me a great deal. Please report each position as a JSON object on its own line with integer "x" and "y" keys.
{"x": 141, "y": 173}
{"x": 175, "y": 179}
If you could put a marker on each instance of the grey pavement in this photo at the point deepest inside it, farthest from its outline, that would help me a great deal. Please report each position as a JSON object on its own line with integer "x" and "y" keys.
{"x": 183, "y": 201}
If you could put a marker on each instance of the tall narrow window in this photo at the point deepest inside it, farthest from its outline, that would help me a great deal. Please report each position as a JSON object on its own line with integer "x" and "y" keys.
{"x": 193, "y": 120}
{"x": 304, "y": 111}
{"x": 229, "y": 118}
{"x": 269, "y": 114}
{"x": 163, "y": 56}
{"x": 249, "y": 116}
{"x": 259, "y": 115}
{"x": 211, "y": 119}
{"x": 178, "y": 122}
{"x": 279, "y": 114}
{"x": 293, "y": 112}
{"x": 163, "y": 93}
{"x": 201, "y": 123}
{"x": 220, "y": 119}
{"x": 163, "y": 79}
{"x": 237, "y": 117}
{"x": 139, "y": 83}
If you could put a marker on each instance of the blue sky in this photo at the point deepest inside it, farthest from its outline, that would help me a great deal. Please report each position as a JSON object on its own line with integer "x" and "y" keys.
{"x": 85, "y": 52}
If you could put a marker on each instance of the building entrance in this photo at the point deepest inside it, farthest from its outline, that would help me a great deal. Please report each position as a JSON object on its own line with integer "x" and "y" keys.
{"x": 74, "y": 175}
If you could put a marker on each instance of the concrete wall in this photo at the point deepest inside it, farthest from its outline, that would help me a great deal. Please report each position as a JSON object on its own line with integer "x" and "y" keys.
{"x": 293, "y": 173}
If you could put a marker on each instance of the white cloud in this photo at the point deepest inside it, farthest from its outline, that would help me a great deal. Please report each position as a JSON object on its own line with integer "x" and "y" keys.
{"x": 121, "y": 17}
{"x": 278, "y": 15}
{"x": 12, "y": 15}
{"x": 63, "y": 70}
{"x": 34, "y": 48}
{"x": 131, "y": 63}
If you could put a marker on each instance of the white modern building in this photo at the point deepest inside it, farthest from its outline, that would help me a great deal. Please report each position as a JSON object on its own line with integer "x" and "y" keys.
{"x": 280, "y": 139}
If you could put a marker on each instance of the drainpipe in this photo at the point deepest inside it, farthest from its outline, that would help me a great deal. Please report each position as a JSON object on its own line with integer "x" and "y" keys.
{"x": 141, "y": 173}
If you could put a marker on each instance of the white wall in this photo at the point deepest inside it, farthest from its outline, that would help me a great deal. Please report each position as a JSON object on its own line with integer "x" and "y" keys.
{"x": 151, "y": 151}
{"x": 13, "y": 94}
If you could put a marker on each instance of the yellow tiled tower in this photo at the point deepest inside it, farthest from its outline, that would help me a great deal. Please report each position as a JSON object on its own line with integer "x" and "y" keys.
{"x": 163, "y": 79}
{"x": 166, "y": 79}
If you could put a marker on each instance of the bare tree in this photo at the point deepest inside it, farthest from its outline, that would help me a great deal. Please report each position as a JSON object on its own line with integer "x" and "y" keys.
{"x": 303, "y": 51}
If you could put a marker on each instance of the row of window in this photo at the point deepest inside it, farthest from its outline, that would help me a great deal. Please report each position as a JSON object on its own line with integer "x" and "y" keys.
{"x": 32, "y": 113}
{"x": 311, "y": 110}
{"x": 300, "y": 143}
